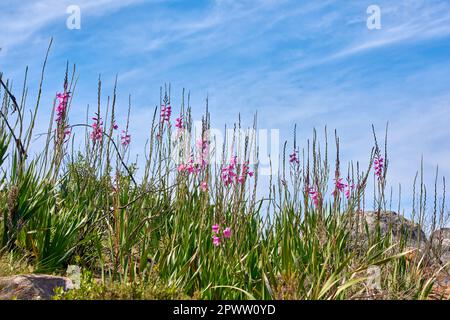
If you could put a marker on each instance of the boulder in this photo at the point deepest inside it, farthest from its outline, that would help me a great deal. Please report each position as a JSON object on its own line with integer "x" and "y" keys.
{"x": 32, "y": 286}
{"x": 391, "y": 222}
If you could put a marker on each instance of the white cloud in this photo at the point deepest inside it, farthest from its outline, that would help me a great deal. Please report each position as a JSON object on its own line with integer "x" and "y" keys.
{"x": 21, "y": 20}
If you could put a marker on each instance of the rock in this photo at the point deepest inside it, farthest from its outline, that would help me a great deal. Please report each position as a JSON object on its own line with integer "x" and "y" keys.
{"x": 441, "y": 244}
{"x": 32, "y": 286}
{"x": 394, "y": 223}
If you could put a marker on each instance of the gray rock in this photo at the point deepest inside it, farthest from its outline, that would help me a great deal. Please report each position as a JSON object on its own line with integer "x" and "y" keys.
{"x": 32, "y": 286}
{"x": 393, "y": 223}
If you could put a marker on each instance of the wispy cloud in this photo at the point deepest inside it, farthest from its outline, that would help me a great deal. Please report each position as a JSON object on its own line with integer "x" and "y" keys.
{"x": 424, "y": 24}
{"x": 21, "y": 20}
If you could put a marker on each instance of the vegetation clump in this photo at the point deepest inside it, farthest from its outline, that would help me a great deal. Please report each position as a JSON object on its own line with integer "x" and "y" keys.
{"x": 182, "y": 226}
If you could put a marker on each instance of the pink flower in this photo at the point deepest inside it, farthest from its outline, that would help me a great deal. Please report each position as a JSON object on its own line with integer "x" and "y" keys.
{"x": 115, "y": 126}
{"x": 125, "y": 138}
{"x": 378, "y": 166}
{"x": 348, "y": 191}
{"x": 314, "y": 194}
{"x": 293, "y": 157}
{"x": 216, "y": 241}
{"x": 191, "y": 167}
{"x": 339, "y": 185}
{"x": 203, "y": 151}
{"x": 228, "y": 174}
{"x": 97, "y": 132}
{"x": 204, "y": 186}
{"x": 227, "y": 232}
{"x": 179, "y": 123}
{"x": 166, "y": 112}
{"x": 97, "y": 129}
{"x": 245, "y": 172}
{"x": 215, "y": 228}
{"x": 63, "y": 99}
{"x": 345, "y": 188}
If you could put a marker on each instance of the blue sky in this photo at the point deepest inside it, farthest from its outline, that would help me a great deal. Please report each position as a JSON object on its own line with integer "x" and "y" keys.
{"x": 313, "y": 63}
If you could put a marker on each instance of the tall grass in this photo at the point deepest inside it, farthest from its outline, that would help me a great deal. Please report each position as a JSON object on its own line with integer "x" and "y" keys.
{"x": 93, "y": 207}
